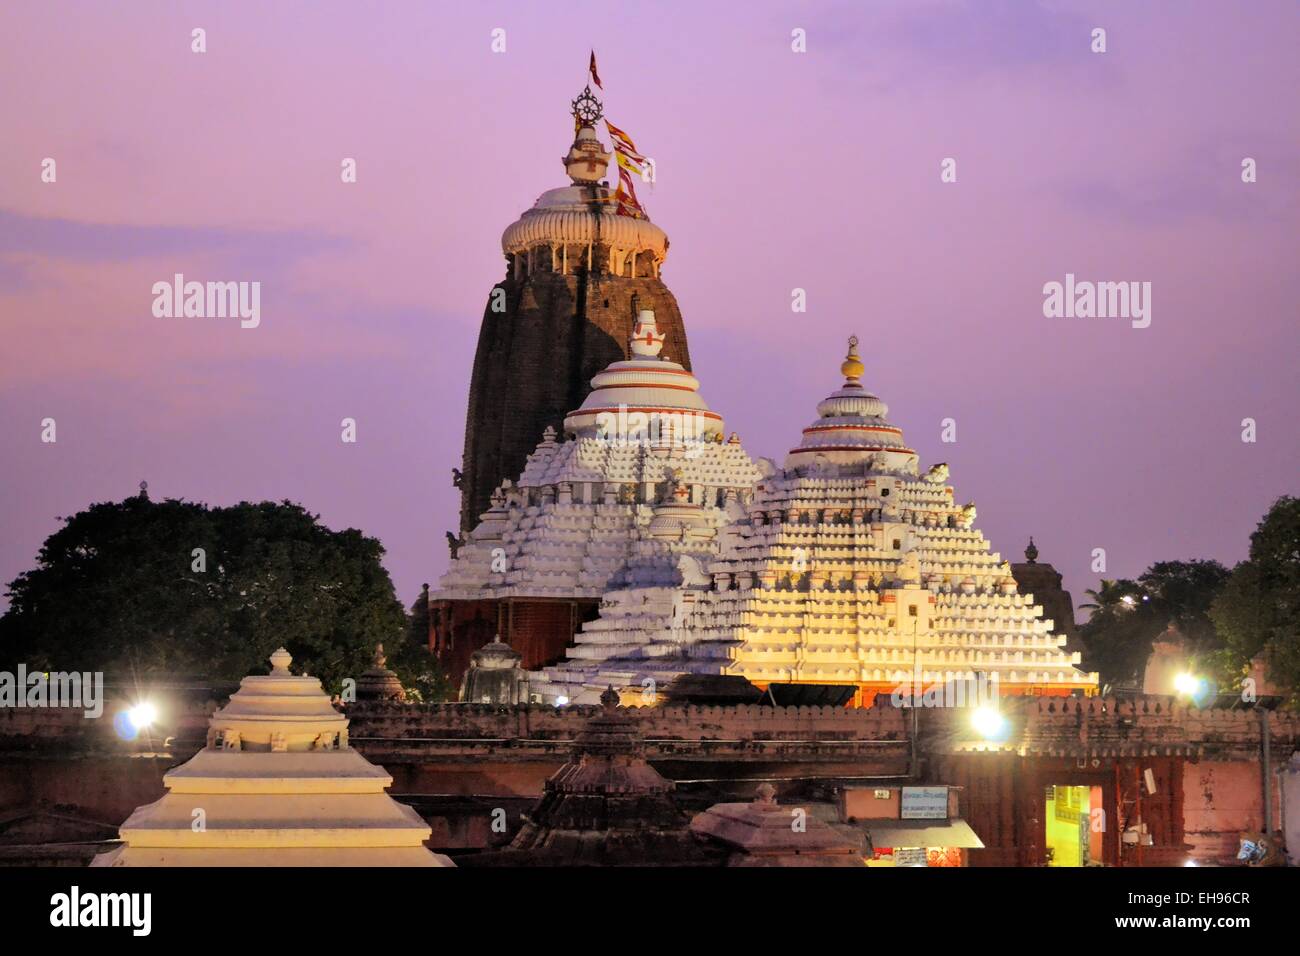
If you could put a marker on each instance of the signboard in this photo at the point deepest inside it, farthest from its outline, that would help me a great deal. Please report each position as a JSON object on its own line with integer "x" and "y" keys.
{"x": 925, "y": 803}
{"x": 909, "y": 856}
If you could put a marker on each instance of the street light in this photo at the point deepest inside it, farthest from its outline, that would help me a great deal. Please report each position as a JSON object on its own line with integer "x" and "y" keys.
{"x": 1187, "y": 684}
{"x": 142, "y": 715}
{"x": 989, "y": 722}
{"x": 131, "y": 722}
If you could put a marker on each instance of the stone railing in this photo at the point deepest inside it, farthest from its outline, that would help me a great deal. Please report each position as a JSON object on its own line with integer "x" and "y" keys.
{"x": 183, "y": 718}
{"x": 1047, "y": 726}
{"x": 1106, "y": 727}
{"x": 525, "y": 731}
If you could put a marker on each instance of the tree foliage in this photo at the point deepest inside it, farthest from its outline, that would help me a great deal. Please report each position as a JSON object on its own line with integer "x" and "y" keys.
{"x": 1128, "y": 615}
{"x": 121, "y": 588}
{"x": 1258, "y": 610}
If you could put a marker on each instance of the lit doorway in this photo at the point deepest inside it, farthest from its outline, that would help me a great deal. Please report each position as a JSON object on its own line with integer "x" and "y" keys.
{"x": 1071, "y": 839}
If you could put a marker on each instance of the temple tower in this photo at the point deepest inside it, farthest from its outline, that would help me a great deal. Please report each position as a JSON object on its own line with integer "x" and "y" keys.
{"x": 634, "y": 486}
{"x": 847, "y": 567}
{"x": 578, "y": 269}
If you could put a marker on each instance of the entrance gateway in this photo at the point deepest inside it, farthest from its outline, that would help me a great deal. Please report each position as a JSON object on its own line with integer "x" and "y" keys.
{"x": 1070, "y": 837}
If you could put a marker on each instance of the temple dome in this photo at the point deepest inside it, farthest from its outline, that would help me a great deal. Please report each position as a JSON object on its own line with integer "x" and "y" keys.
{"x": 378, "y": 682}
{"x": 495, "y": 676}
{"x": 584, "y": 212}
{"x": 645, "y": 394}
{"x": 851, "y": 428}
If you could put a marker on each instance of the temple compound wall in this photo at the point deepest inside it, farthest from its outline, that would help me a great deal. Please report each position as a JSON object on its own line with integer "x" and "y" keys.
{"x": 1193, "y": 778}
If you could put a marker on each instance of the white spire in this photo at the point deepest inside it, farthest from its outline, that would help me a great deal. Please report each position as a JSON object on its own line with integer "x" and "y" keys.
{"x": 647, "y": 340}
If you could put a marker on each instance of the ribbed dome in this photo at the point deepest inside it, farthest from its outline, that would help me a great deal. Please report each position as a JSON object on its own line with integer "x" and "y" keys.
{"x": 852, "y": 428}
{"x": 645, "y": 394}
{"x": 571, "y": 214}
{"x": 584, "y": 212}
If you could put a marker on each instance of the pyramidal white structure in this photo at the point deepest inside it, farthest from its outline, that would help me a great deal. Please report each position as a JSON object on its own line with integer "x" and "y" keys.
{"x": 276, "y": 785}
{"x": 847, "y": 567}
{"x": 641, "y": 479}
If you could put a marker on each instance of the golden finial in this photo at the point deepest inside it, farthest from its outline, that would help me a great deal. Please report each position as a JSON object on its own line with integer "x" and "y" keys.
{"x": 852, "y": 367}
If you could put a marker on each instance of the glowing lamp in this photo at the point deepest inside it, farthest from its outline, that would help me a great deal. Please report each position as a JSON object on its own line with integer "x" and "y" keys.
{"x": 988, "y": 722}
{"x": 1188, "y": 684}
{"x": 142, "y": 715}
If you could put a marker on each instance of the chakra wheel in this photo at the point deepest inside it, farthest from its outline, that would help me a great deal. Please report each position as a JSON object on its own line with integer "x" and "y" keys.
{"x": 587, "y": 108}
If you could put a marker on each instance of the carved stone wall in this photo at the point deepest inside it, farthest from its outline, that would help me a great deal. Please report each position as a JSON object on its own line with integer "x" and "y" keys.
{"x": 535, "y": 362}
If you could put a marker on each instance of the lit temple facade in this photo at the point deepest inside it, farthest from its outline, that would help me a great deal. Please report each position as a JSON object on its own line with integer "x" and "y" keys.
{"x": 848, "y": 567}
{"x": 635, "y": 544}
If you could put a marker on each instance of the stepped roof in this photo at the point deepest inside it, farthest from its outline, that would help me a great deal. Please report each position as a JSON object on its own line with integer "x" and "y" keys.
{"x": 641, "y": 478}
{"x": 846, "y": 567}
{"x": 276, "y": 785}
{"x": 851, "y": 427}
{"x": 606, "y": 807}
{"x": 764, "y": 833}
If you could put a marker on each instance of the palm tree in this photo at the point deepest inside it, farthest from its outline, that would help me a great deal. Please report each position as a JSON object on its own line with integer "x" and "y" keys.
{"x": 1110, "y": 594}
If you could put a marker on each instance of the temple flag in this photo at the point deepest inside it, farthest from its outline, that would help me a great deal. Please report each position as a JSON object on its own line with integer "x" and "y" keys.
{"x": 625, "y": 197}
{"x": 595, "y": 77}
{"x": 619, "y": 136}
{"x": 629, "y": 161}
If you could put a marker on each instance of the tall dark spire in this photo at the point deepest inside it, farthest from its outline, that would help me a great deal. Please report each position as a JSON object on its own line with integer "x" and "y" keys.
{"x": 562, "y": 314}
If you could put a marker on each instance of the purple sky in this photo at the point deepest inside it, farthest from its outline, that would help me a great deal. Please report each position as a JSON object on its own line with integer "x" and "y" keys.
{"x": 775, "y": 170}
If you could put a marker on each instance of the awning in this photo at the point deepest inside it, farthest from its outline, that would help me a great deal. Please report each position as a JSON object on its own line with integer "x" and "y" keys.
{"x": 914, "y": 833}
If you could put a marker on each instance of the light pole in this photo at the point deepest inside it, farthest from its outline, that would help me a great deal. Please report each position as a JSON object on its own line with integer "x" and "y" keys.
{"x": 916, "y": 679}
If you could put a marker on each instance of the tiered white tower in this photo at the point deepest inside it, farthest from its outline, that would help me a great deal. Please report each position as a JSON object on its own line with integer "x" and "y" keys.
{"x": 641, "y": 479}
{"x": 276, "y": 785}
{"x": 848, "y": 568}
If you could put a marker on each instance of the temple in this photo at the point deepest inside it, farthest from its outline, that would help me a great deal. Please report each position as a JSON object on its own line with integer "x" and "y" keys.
{"x": 655, "y": 638}
{"x": 577, "y": 273}
{"x": 633, "y": 493}
{"x": 276, "y": 785}
{"x": 606, "y": 807}
{"x": 848, "y": 567}
{"x": 636, "y": 547}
